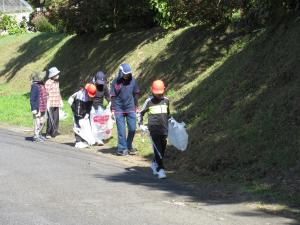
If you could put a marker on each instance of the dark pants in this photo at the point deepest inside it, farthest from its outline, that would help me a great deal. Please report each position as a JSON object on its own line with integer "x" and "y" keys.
{"x": 52, "y": 121}
{"x": 159, "y": 143}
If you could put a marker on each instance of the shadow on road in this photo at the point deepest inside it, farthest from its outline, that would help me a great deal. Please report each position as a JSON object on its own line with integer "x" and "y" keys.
{"x": 208, "y": 193}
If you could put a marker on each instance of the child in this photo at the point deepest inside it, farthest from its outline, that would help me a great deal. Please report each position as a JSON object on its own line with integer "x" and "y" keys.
{"x": 99, "y": 80}
{"x": 38, "y": 103}
{"x": 54, "y": 101}
{"x": 157, "y": 107}
{"x": 81, "y": 104}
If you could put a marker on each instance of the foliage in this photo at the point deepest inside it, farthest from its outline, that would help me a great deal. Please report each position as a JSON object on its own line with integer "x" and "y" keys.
{"x": 41, "y": 23}
{"x": 80, "y": 17}
{"x": 177, "y": 13}
{"x": 163, "y": 13}
{"x": 9, "y": 24}
{"x": 86, "y": 16}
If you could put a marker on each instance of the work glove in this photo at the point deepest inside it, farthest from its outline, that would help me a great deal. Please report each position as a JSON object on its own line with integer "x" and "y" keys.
{"x": 86, "y": 116}
{"x": 36, "y": 113}
{"x": 143, "y": 128}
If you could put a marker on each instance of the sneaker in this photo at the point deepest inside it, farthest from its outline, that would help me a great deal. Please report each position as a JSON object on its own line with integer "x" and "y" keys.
{"x": 161, "y": 174}
{"x": 37, "y": 140}
{"x": 99, "y": 142}
{"x": 154, "y": 168}
{"x": 122, "y": 152}
{"x": 42, "y": 137}
{"x": 48, "y": 136}
{"x": 81, "y": 145}
{"x": 132, "y": 151}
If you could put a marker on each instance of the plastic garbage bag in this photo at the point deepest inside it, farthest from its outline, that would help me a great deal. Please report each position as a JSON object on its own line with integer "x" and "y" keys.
{"x": 144, "y": 131}
{"x": 101, "y": 123}
{"x": 177, "y": 134}
{"x": 72, "y": 98}
{"x": 62, "y": 114}
{"x": 85, "y": 130}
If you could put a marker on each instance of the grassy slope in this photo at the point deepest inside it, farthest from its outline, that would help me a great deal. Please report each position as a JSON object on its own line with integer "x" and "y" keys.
{"x": 239, "y": 95}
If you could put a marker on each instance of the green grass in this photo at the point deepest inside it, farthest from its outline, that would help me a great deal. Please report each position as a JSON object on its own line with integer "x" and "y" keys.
{"x": 15, "y": 109}
{"x": 238, "y": 93}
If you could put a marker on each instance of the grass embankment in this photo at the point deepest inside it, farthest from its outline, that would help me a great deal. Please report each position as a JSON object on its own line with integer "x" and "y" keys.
{"x": 238, "y": 93}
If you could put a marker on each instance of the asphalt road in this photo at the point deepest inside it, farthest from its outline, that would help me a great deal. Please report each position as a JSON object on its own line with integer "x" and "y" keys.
{"x": 55, "y": 184}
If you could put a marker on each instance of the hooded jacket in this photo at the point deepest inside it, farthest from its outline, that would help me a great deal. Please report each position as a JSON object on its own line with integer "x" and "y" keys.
{"x": 102, "y": 90}
{"x": 34, "y": 96}
{"x": 124, "y": 93}
{"x": 81, "y": 105}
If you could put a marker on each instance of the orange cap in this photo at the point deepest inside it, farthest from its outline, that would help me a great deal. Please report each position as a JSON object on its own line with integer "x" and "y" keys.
{"x": 158, "y": 87}
{"x": 91, "y": 90}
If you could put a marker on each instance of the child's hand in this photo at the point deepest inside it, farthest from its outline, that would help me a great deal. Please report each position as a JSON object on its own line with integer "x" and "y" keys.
{"x": 36, "y": 113}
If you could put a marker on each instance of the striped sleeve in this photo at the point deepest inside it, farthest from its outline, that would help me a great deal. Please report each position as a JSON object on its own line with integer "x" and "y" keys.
{"x": 144, "y": 109}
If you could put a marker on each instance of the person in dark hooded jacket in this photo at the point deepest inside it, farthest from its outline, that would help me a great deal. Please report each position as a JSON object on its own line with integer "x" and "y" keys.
{"x": 81, "y": 104}
{"x": 124, "y": 98}
{"x": 102, "y": 90}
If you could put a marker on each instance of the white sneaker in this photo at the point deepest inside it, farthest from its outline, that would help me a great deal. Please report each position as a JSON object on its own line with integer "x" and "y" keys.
{"x": 81, "y": 145}
{"x": 161, "y": 174}
{"x": 99, "y": 142}
{"x": 154, "y": 167}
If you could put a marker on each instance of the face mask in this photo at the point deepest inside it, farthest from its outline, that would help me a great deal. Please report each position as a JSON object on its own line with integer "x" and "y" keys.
{"x": 99, "y": 87}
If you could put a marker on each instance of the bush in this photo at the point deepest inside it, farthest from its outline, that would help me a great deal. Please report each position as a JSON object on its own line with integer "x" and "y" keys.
{"x": 9, "y": 24}
{"x": 41, "y": 23}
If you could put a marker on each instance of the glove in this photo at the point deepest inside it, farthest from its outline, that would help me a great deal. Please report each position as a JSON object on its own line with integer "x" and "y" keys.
{"x": 36, "y": 113}
{"x": 144, "y": 128}
{"x": 86, "y": 116}
{"x": 61, "y": 104}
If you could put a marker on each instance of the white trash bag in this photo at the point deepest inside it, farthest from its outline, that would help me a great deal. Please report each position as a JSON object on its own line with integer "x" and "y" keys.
{"x": 101, "y": 123}
{"x": 62, "y": 114}
{"x": 177, "y": 134}
{"x": 85, "y": 130}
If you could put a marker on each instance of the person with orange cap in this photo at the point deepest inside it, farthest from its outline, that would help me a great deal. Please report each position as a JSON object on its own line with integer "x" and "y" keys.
{"x": 157, "y": 107}
{"x": 81, "y": 103}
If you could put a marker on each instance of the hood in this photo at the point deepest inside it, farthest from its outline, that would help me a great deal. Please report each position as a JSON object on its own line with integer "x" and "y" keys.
{"x": 124, "y": 69}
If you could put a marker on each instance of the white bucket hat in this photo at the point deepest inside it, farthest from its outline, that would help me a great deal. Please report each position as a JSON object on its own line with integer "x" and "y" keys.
{"x": 53, "y": 71}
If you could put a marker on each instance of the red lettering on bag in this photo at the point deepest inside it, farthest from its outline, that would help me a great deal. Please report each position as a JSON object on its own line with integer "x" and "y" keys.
{"x": 101, "y": 119}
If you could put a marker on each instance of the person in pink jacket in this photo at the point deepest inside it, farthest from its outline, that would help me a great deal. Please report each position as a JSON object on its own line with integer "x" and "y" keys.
{"x": 54, "y": 101}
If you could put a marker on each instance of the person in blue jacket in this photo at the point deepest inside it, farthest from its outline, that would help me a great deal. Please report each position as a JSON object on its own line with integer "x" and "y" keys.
{"x": 124, "y": 98}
